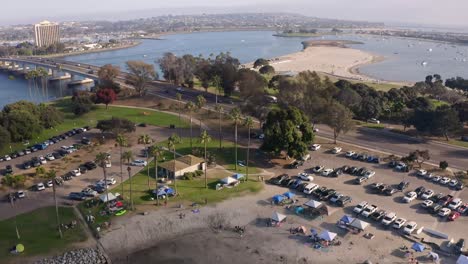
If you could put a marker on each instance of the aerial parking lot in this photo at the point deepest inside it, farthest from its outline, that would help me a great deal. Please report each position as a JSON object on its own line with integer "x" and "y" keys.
{"x": 385, "y": 188}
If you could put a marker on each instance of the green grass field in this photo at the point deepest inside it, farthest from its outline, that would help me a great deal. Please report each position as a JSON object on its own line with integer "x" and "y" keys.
{"x": 38, "y": 232}
{"x": 189, "y": 191}
{"x": 224, "y": 157}
{"x": 90, "y": 119}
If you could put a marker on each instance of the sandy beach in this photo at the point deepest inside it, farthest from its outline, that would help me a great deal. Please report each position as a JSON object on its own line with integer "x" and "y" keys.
{"x": 335, "y": 61}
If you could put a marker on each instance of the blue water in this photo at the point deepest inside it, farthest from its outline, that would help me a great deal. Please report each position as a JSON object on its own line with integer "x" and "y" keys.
{"x": 403, "y": 57}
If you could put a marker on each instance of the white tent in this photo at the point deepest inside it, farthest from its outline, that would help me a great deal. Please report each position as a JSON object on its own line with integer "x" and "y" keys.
{"x": 103, "y": 197}
{"x": 361, "y": 225}
{"x": 278, "y": 217}
{"x": 462, "y": 259}
{"x": 313, "y": 204}
{"x": 228, "y": 180}
{"x": 327, "y": 235}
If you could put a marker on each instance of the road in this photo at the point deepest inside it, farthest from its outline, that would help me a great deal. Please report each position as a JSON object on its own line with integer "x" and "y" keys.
{"x": 401, "y": 145}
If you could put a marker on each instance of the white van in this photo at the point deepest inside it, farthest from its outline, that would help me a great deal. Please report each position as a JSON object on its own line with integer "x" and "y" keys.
{"x": 310, "y": 188}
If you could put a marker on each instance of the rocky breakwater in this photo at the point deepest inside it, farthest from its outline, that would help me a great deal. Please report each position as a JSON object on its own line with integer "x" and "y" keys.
{"x": 79, "y": 256}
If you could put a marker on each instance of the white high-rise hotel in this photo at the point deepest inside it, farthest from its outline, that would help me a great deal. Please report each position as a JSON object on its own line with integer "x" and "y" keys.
{"x": 46, "y": 33}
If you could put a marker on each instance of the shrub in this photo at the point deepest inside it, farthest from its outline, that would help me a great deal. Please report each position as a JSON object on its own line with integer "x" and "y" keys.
{"x": 188, "y": 176}
{"x": 443, "y": 165}
{"x": 198, "y": 173}
{"x": 14, "y": 181}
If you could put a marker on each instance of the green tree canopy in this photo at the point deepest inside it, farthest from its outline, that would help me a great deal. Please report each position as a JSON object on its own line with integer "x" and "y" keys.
{"x": 289, "y": 130}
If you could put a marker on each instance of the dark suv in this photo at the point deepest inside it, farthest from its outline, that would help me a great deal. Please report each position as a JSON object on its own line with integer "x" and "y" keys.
{"x": 344, "y": 200}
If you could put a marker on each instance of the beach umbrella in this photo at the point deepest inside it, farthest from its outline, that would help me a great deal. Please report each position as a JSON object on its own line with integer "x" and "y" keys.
{"x": 289, "y": 195}
{"x": 327, "y": 235}
{"x": 418, "y": 247}
{"x": 346, "y": 219}
{"x": 278, "y": 217}
{"x": 20, "y": 248}
{"x": 313, "y": 204}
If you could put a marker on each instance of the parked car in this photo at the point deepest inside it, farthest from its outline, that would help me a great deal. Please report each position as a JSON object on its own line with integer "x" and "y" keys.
{"x": 444, "y": 201}
{"x": 305, "y": 176}
{"x": 391, "y": 191}
{"x": 77, "y": 196}
{"x": 27, "y": 165}
{"x": 317, "y": 169}
{"x": 85, "y": 141}
{"x": 460, "y": 186}
{"x": 90, "y": 165}
{"x": 399, "y": 222}
{"x": 401, "y": 166}
{"x": 444, "y": 181}
{"x": 369, "y": 174}
{"x": 420, "y": 190}
{"x": 334, "y": 198}
{"x": 315, "y": 147}
{"x": 369, "y": 210}
{"x": 326, "y": 172}
{"x": 326, "y": 195}
{"x": 40, "y": 187}
{"x": 360, "y": 180}
{"x": 453, "y": 216}
{"x": 455, "y": 203}
{"x": 8, "y": 169}
{"x": 378, "y": 215}
{"x": 49, "y": 184}
{"x": 409, "y": 197}
{"x": 427, "y": 194}
{"x": 343, "y": 200}
{"x": 444, "y": 212}
{"x": 436, "y": 179}
{"x": 140, "y": 163}
{"x": 349, "y": 154}
{"x": 410, "y": 227}
{"x": 20, "y": 194}
{"x": 453, "y": 183}
{"x": 360, "y": 207}
{"x": 435, "y": 208}
{"x": 309, "y": 188}
{"x": 89, "y": 192}
{"x": 336, "y": 172}
{"x": 49, "y": 157}
{"x": 278, "y": 179}
{"x": 353, "y": 170}
{"x": 389, "y": 218}
{"x": 427, "y": 203}
{"x": 336, "y": 150}
{"x": 373, "y": 121}
{"x": 75, "y": 173}
{"x": 421, "y": 173}
{"x": 403, "y": 185}
{"x": 463, "y": 209}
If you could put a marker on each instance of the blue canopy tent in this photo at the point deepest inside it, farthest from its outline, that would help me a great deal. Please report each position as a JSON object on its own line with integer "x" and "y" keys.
{"x": 238, "y": 176}
{"x": 289, "y": 195}
{"x": 418, "y": 247}
{"x": 298, "y": 210}
{"x": 278, "y": 198}
{"x": 346, "y": 219}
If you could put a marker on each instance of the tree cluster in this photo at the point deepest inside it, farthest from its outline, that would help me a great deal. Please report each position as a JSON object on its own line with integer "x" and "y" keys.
{"x": 23, "y": 120}
{"x": 116, "y": 126}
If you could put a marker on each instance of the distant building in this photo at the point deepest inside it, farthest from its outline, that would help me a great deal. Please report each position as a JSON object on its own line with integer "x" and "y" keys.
{"x": 46, "y": 33}
{"x": 181, "y": 165}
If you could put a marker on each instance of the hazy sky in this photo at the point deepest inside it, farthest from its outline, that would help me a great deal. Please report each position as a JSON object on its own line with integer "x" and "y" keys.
{"x": 435, "y": 12}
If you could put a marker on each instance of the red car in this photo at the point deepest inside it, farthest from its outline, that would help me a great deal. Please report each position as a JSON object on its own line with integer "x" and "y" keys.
{"x": 453, "y": 215}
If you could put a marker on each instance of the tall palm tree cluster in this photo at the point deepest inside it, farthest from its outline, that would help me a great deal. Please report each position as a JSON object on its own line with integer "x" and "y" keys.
{"x": 38, "y": 83}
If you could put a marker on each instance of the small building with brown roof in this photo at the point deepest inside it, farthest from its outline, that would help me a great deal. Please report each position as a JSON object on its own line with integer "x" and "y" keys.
{"x": 181, "y": 165}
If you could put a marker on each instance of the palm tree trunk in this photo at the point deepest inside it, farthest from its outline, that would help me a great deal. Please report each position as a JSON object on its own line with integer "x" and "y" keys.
{"x": 235, "y": 140}
{"x": 56, "y": 209}
{"x": 156, "y": 177}
{"x": 121, "y": 172}
{"x": 220, "y": 132}
{"x": 206, "y": 178}
{"x": 131, "y": 189}
{"x": 147, "y": 167}
{"x": 105, "y": 181}
{"x": 191, "y": 131}
{"x": 175, "y": 181}
{"x": 247, "y": 161}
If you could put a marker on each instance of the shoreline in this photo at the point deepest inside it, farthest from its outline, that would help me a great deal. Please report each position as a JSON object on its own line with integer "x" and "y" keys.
{"x": 61, "y": 55}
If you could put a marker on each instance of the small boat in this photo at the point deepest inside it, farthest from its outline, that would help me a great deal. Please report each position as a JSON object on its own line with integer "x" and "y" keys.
{"x": 121, "y": 212}
{"x": 424, "y": 63}
{"x": 144, "y": 56}
{"x": 430, "y": 50}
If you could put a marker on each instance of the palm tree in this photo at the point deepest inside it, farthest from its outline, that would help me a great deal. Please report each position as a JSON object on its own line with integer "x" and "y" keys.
{"x": 146, "y": 139}
{"x": 216, "y": 81}
{"x": 102, "y": 159}
{"x": 128, "y": 156}
{"x": 121, "y": 140}
{"x": 156, "y": 152}
{"x": 179, "y": 110}
{"x": 172, "y": 141}
{"x": 219, "y": 109}
{"x": 43, "y": 74}
{"x": 248, "y": 122}
{"x": 236, "y": 117}
{"x": 190, "y": 107}
{"x": 51, "y": 176}
{"x": 205, "y": 139}
{"x": 129, "y": 170}
{"x": 201, "y": 102}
